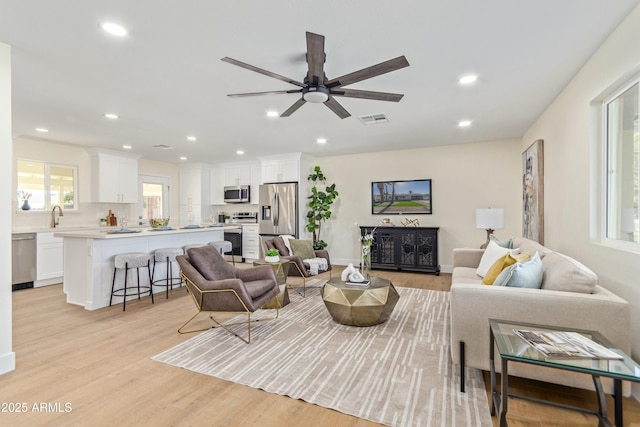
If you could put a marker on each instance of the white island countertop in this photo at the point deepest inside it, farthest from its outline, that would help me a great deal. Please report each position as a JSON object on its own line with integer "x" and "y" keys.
{"x": 116, "y": 233}
{"x": 88, "y": 258}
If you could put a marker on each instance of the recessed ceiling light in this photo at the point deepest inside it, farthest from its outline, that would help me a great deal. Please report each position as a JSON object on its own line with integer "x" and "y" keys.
{"x": 192, "y": 138}
{"x": 183, "y": 158}
{"x": 111, "y": 116}
{"x": 467, "y": 80}
{"x": 114, "y": 29}
{"x": 321, "y": 140}
{"x": 42, "y": 130}
{"x": 126, "y": 147}
{"x": 240, "y": 152}
{"x": 464, "y": 123}
{"x": 272, "y": 114}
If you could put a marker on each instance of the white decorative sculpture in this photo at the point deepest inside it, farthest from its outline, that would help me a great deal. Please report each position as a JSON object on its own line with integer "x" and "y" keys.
{"x": 356, "y": 277}
{"x": 348, "y": 271}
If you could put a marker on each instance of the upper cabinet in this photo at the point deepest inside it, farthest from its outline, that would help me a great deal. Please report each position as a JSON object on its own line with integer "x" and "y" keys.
{"x": 234, "y": 174}
{"x": 285, "y": 169}
{"x": 114, "y": 177}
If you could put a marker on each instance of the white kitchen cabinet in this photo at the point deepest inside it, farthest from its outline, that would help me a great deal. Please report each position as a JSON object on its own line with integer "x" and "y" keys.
{"x": 49, "y": 265}
{"x": 237, "y": 175}
{"x": 114, "y": 178}
{"x": 216, "y": 195}
{"x": 195, "y": 183}
{"x": 281, "y": 170}
{"x": 250, "y": 242}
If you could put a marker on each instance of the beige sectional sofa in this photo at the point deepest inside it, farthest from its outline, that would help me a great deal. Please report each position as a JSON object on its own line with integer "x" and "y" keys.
{"x": 568, "y": 298}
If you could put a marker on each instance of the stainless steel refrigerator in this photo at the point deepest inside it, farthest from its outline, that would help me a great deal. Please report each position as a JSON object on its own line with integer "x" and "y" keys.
{"x": 278, "y": 209}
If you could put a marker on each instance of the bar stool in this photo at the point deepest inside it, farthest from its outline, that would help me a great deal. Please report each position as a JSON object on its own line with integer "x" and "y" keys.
{"x": 167, "y": 255}
{"x": 224, "y": 246}
{"x": 127, "y": 261}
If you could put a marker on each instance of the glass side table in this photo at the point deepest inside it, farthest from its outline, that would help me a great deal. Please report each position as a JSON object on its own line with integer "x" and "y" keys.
{"x": 514, "y": 349}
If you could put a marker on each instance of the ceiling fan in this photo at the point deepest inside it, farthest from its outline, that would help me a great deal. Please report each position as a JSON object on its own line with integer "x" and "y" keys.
{"x": 317, "y": 88}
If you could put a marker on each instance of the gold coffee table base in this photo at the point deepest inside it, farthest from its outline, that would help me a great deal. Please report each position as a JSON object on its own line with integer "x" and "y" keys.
{"x": 358, "y": 305}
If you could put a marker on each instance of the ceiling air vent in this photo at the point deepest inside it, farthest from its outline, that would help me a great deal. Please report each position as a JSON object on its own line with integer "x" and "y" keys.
{"x": 163, "y": 146}
{"x": 374, "y": 119}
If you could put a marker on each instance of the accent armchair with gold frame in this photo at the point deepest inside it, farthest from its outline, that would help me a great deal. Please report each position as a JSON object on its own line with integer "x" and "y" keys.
{"x": 217, "y": 287}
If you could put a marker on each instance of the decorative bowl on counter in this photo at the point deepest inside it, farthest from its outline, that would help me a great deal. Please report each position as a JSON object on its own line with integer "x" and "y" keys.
{"x": 159, "y": 222}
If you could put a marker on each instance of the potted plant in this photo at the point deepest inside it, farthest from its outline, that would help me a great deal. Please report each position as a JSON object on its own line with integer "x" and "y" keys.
{"x": 24, "y": 198}
{"x": 320, "y": 202}
{"x": 272, "y": 255}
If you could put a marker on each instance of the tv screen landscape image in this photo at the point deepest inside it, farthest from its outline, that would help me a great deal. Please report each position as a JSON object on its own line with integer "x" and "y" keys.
{"x": 401, "y": 197}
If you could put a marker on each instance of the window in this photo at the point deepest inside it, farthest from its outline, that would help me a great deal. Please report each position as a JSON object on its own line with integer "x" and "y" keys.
{"x": 622, "y": 164}
{"x": 46, "y": 185}
{"x": 154, "y": 195}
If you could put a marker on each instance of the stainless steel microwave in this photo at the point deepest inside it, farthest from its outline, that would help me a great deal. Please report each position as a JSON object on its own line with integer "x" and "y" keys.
{"x": 237, "y": 194}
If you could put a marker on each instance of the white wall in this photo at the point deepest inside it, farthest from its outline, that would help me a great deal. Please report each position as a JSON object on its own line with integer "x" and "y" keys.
{"x": 7, "y": 356}
{"x": 565, "y": 128}
{"x": 464, "y": 177}
{"x": 87, "y": 213}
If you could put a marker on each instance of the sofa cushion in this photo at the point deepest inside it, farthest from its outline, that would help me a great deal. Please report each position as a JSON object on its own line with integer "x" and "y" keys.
{"x": 208, "y": 261}
{"x": 490, "y": 256}
{"x": 502, "y": 263}
{"x": 504, "y": 243}
{"x": 526, "y": 274}
{"x": 562, "y": 273}
{"x": 302, "y": 248}
{"x": 465, "y": 275}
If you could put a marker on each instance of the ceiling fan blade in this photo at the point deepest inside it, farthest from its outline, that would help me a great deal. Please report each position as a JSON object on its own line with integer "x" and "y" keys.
{"x": 299, "y": 103}
{"x": 369, "y": 72}
{"x": 337, "y": 108}
{"x": 273, "y": 92}
{"x": 367, "y": 94}
{"x": 261, "y": 71}
{"x": 315, "y": 58}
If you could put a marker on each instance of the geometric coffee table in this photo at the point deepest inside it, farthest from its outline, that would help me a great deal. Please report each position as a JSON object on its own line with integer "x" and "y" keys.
{"x": 360, "y": 305}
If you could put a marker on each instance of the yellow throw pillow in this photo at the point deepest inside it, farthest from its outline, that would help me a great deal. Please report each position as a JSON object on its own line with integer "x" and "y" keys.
{"x": 501, "y": 264}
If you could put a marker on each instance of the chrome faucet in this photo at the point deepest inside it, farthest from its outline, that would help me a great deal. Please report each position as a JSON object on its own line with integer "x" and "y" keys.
{"x": 53, "y": 216}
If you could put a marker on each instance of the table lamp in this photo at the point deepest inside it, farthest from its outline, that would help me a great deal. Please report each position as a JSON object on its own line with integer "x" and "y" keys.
{"x": 489, "y": 219}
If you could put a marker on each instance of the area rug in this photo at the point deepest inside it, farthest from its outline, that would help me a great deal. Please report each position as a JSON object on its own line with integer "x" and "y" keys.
{"x": 398, "y": 373}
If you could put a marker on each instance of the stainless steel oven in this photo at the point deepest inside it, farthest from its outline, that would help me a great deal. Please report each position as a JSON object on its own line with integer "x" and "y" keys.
{"x": 235, "y": 237}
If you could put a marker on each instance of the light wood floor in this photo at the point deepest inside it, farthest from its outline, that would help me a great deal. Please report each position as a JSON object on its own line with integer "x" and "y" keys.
{"x": 98, "y": 363}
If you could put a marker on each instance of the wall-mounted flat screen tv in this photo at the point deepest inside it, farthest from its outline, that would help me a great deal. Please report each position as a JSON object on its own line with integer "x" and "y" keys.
{"x": 411, "y": 197}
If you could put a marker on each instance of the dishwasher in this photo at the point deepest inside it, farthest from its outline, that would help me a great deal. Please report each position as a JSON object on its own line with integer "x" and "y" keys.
{"x": 23, "y": 260}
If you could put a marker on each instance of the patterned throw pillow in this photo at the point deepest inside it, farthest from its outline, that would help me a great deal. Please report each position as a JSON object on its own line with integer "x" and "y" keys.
{"x": 302, "y": 248}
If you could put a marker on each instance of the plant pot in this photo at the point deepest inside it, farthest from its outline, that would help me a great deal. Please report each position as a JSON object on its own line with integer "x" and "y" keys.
{"x": 26, "y": 206}
{"x": 275, "y": 258}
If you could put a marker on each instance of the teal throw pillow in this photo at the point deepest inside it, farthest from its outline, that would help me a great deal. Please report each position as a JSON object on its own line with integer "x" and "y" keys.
{"x": 504, "y": 243}
{"x": 302, "y": 248}
{"x": 526, "y": 274}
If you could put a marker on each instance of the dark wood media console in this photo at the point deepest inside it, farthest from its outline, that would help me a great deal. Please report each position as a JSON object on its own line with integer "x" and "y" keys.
{"x": 404, "y": 248}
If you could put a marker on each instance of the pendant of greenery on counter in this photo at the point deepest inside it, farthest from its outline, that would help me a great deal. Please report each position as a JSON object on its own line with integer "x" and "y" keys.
{"x": 320, "y": 201}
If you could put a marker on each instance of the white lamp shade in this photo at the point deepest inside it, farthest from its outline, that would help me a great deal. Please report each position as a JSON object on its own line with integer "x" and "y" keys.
{"x": 490, "y": 219}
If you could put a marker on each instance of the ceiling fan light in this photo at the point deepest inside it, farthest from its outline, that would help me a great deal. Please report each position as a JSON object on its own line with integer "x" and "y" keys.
{"x": 315, "y": 97}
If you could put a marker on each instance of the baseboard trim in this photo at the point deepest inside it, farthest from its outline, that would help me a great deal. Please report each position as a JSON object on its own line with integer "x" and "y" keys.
{"x": 7, "y": 362}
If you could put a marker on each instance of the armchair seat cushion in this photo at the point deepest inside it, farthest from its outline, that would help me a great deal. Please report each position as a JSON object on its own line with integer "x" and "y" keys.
{"x": 258, "y": 288}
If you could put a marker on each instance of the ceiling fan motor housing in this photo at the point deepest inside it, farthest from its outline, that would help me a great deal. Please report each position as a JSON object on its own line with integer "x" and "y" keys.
{"x": 316, "y": 94}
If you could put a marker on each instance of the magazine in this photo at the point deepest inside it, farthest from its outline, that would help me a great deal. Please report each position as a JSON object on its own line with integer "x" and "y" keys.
{"x": 565, "y": 344}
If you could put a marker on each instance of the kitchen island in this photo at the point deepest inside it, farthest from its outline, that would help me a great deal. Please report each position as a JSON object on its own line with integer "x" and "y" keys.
{"x": 88, "y": 257}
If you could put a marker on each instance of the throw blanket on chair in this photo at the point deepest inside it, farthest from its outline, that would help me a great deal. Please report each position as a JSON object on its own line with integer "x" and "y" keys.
{"x": 316, "y": 265}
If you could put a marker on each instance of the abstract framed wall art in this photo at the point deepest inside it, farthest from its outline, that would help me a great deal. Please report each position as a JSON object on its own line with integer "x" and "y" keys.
{"x": 533, "y": 192}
